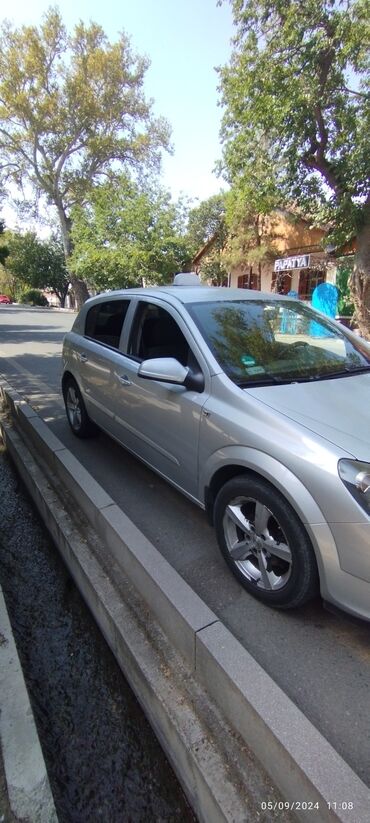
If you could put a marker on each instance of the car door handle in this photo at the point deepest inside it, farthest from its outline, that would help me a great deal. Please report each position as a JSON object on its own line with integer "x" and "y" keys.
{"x": 82, "y": 357}
{"x": 123, "y": 379}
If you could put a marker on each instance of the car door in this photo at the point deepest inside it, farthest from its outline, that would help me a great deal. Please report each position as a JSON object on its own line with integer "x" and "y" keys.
{"x": 160, "y": 421}
{"x": 98, "y": 353}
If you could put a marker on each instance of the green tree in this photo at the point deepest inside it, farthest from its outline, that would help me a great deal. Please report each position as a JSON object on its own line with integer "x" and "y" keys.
{"x": 4, "y": 251}
{"x": 6, "y": 285}
{"x": 345, "y": 306}
{"x": 297, "y": 120}
{"x": 248, "y": 243}
{"x": 128, "y": 235}
{"x": 39, "y": 264}
{"x": 206, "y": 222}
{"x": 72, "y": 111}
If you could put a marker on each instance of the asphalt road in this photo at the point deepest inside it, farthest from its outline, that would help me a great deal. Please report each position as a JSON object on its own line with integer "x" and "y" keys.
{"x": 321, "y": 660}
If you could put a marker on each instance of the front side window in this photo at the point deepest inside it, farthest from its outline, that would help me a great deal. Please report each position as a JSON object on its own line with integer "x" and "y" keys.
{"x": 262, "y": 342}
{"x": 104, "y": 321}
{"x": 156, "y": 334}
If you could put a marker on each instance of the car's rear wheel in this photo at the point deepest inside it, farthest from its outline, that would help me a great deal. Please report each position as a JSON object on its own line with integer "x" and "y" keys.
{"x": 77, "y": 415}
{"x": 264, "y": 543}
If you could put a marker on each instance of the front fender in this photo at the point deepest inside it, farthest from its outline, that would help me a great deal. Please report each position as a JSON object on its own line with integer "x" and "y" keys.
{"x": 272, "y": 470}
{"x": 227, "y": 460}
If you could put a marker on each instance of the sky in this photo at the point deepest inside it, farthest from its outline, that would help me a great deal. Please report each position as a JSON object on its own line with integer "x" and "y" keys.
{"x": 185, "y": 42}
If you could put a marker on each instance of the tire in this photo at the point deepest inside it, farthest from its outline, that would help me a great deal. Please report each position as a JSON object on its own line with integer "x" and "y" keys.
{"x": 77, "y": 415}
{"x": 264, "y": 543}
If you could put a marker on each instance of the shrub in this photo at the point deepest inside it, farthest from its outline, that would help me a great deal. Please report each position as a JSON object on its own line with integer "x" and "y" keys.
{"x": 34, "y": 297}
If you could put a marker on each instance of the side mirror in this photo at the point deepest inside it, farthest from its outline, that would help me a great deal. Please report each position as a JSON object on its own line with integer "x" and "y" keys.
{"x": 169, "y": 370}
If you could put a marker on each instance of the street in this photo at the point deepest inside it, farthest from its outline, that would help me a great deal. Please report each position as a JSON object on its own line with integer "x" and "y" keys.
{"x": 321, "y": 660}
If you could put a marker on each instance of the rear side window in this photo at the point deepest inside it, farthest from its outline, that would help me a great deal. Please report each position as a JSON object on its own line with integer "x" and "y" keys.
{"x": 104, "y": 321}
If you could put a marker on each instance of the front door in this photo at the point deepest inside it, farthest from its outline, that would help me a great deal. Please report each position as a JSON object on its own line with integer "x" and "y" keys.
{"x": 159, "y": 421}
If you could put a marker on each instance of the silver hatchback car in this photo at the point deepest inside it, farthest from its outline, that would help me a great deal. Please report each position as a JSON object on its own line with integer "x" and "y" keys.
{"x": 254, "y": 406}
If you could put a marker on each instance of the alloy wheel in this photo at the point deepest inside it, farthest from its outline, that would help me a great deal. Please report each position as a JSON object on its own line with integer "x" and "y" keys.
{"x": 73, "y": 405}
{"x": 257, "y": 544}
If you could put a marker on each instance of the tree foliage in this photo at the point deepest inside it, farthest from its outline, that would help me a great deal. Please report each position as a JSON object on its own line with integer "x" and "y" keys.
{"x": 345, "y": 306}
{"x": 128, "y": 235}
{"x": 248, "y": 242}
{"x": 72, "y": 110}
{"x": 39, "y": 264}
{"x": 297, "y": 116}
{"x": 207, "y": 220}
{"x": 4, "y": 251}
{"x": 206, "y": 223}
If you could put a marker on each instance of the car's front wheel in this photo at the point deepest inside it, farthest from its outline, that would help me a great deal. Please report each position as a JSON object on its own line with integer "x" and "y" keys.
{"x": 264, "y": 543}
{"x": 77, "y": 415}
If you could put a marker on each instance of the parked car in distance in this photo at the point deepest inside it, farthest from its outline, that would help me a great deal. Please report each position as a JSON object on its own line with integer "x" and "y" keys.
{"x": 253, "y": 405}
{"x": 5, "y": 299}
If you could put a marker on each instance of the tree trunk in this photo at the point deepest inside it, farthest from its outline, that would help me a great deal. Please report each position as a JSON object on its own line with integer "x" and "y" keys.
{"x": 359, "y": 281}
{"x": 62, "y": 294}
{"x": 79, "y": 287}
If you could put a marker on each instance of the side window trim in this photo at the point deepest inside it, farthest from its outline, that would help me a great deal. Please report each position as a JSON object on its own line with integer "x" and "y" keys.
{"x": 104, "y": 345}
{"x": 127, "y": 325}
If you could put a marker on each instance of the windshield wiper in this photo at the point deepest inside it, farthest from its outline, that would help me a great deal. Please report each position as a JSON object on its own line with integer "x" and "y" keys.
{"x": 344, "y": 372}
{"x": 359, "y": 370}
{"x": 269, "y": 380}
{"x": 273, "y": 380}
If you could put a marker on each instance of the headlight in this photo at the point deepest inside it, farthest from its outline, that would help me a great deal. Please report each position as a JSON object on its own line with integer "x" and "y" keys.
{"x": 356, "y": 476}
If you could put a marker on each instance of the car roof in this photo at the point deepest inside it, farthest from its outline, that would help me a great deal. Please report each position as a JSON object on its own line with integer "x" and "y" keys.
{"x": 197, "y": 294}
{"x": 190, "y": 294}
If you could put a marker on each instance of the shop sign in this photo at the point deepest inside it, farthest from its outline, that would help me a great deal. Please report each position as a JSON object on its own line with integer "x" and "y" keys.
{"x": 302, "y": 261}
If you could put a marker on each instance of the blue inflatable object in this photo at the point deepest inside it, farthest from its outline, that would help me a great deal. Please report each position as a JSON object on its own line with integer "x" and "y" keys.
{"x": 324, "y": 299}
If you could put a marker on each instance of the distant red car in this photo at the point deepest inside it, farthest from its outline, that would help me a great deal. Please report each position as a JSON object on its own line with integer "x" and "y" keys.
{"x": 5, "y": 299}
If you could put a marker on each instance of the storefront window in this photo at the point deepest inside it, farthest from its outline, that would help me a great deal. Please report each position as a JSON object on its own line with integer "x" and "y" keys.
{"x": 249, "y": 281}
{"x": 281, "y": 283}
{"x": 308, "y": 280}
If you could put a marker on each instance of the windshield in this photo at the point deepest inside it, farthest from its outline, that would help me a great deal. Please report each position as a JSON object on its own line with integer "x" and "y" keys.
{"x": 260, "y": 341}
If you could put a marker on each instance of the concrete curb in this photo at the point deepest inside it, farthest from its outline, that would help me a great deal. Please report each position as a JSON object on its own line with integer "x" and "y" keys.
{"x": 46, "y": 308}
{"x": 303, "y": 765}
{"x": 28, "y": 785}
{"x": 178, "y": 710}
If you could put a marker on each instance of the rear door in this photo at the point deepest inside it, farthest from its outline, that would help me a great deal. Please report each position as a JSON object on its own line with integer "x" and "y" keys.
{"x": 98, "y": 353}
